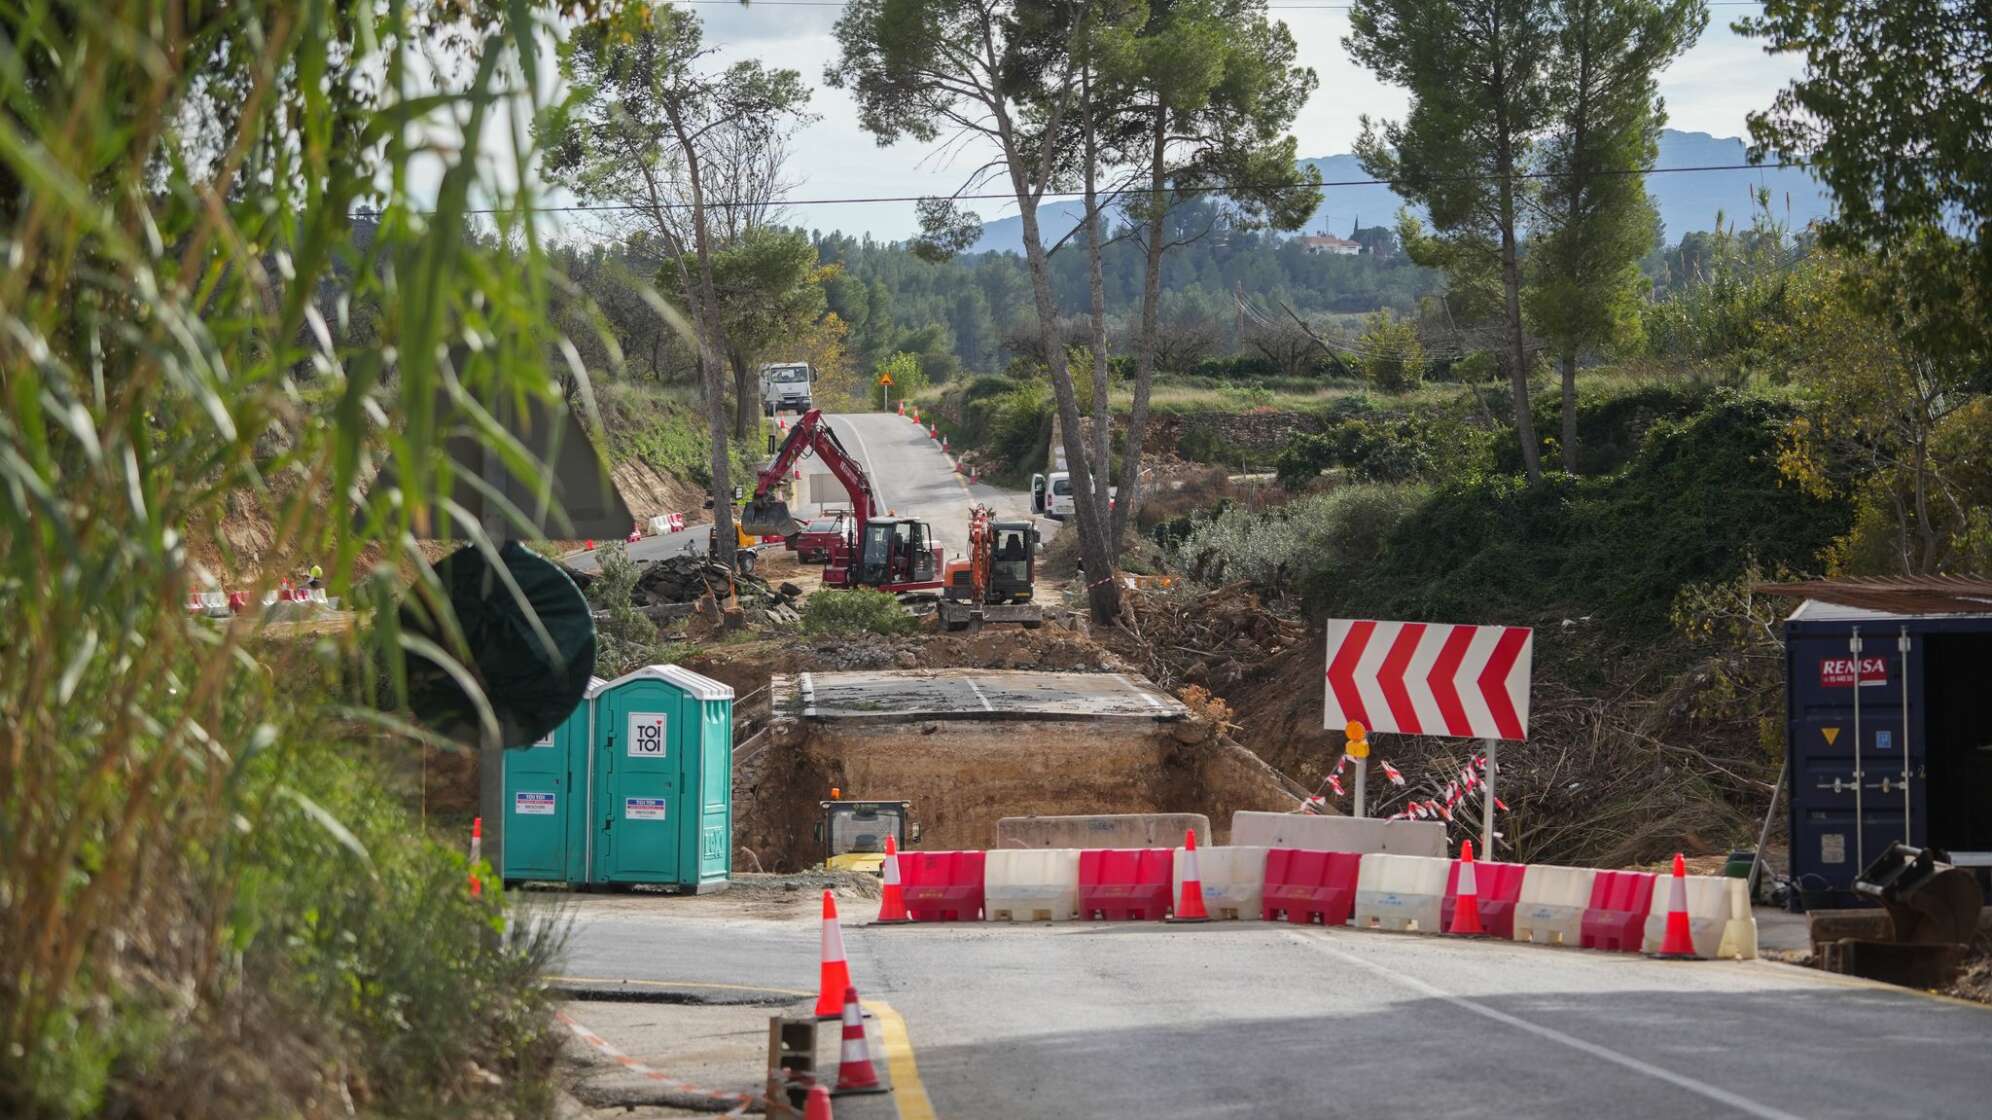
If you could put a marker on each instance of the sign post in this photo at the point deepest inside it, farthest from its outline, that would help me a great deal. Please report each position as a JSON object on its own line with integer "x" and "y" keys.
{"x": 1415, "y": 678}
{"x": 1359, "y": 750}
{"x": 884, "y": 391}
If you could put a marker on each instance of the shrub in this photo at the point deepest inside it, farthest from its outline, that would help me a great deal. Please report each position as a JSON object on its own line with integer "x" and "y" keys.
{"x": 855, "y": 611}
{"x": 1384, "y": 450}
{"x": 1392, "y": 359}
{"x": 1317, "y": 540}
{"x": 625, "y": 638}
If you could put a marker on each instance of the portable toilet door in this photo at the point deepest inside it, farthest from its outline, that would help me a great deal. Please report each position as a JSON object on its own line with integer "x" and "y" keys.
{"x": 544, "y": 803}
{"x": 649, "y": 769}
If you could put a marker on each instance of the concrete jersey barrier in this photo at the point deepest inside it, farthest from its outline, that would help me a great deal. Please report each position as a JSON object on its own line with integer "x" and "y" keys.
{"x": 1233, "y": 880}
{"x": 1401, "y": 892}
{"x": 1337, "y": 834}
{"x": 1102, "y": 830}
{"x": 1712, "y": 903}
{"x": 1550, "y": 910}
{"x": 1031, "y": 885}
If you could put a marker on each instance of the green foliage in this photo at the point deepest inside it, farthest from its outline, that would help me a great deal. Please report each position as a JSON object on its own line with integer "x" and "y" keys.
{"x": 666, "y": 431}
{"x": 1612, "y": 422}
{"x": 209, "y": 903}
{"x": 624, "y": 638}
{"x": 1584, "y": 280}
{"x": 1317, "y": 541}
{"x": 1392, "y": 359}
{"x": 907, "y": 379}
{"x": 1891, "y": 114}
{"x": 1700, "y": 497}
{"x": 832, "y": 612}
{"x": 1725, "y": 294}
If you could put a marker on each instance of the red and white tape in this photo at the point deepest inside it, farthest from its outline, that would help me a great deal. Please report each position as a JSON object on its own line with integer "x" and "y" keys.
{"x": 741, "y": 1101}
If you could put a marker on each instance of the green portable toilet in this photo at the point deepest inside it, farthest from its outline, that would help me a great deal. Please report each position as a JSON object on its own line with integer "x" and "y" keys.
{"x": 541, "y": 821}
{"x": 663, "y": 780}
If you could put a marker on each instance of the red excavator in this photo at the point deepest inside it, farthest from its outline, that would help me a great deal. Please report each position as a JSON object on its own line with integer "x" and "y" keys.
{"x": 889, "y": 553}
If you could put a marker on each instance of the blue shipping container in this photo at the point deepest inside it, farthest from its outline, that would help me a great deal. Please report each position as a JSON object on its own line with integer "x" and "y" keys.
{"x": 1893, "y": 743}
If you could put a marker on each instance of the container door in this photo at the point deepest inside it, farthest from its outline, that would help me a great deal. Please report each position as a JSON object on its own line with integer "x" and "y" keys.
{"x": 716, "y": 783}
{"x": 644, "y": 786}
{"x": 536, "y": 808}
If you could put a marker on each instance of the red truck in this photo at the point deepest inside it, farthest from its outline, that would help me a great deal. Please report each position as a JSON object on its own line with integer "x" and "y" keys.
{"x": 813, "y": 542}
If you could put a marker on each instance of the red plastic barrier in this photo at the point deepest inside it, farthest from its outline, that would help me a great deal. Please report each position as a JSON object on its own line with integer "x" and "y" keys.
{"x": 1616, "y": 917}
{"x": 1306, "y": 886}
{"x": 942, "y": 886}
{"x": 1498, "y": 887}
{"x": 1125, "y": 883}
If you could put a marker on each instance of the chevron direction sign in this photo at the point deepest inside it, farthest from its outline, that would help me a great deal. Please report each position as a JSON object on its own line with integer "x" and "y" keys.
{"x": 1416, "y": 678}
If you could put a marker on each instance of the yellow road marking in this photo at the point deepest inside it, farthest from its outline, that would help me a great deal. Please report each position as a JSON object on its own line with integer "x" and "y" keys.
{"x": 909, "y": 1096}
{"x": 679, "y": 984}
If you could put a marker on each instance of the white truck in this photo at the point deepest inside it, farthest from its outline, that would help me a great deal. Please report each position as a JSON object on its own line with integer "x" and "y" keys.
{"x": 785, "y": 387}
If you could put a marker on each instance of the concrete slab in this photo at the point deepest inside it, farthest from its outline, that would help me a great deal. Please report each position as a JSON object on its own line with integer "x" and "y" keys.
{"x": 899, "y": 696}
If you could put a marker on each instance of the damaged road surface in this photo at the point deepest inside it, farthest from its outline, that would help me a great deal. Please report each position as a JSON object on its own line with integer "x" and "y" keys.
{"x": 975, "y": 694}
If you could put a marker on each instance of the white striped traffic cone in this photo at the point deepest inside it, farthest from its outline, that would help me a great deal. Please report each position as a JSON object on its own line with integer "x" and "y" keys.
{"x": 1190, "y": 907}
{"x": 855, "y": 1072}
{"x": 892, "y": 900}
{"x": 1466, "y": 908}
{"x": 1678, "y": 944}
{"x": 836, "y": 972}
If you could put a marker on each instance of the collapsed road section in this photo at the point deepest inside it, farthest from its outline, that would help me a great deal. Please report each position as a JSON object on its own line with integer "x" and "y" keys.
{"x": 966, "y": 747}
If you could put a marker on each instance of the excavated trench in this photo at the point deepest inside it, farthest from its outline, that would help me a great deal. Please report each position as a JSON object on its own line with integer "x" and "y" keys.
{"x": 968, "y": 747}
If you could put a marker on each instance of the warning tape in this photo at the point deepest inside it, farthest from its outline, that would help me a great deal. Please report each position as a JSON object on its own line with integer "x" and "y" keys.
{"x": 742, "y": 1101}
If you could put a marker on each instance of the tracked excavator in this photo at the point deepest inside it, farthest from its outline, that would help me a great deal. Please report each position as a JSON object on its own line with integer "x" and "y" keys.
{"x": 995, "y": 581}
{"x": 895, "y": 554}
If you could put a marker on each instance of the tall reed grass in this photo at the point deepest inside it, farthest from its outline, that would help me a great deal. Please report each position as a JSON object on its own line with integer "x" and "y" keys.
{"x": 240, "y": 254}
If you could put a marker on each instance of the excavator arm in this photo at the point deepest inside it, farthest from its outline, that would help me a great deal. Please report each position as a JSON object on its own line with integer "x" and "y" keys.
{"x": 767, "y": 515}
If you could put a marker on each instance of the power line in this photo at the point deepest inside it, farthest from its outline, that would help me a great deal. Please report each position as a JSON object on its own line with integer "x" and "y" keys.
{"x": 1004, "y": 196}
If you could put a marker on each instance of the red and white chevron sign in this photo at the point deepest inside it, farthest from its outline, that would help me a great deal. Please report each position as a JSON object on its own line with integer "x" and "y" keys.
{"x": 1416, "y": 678}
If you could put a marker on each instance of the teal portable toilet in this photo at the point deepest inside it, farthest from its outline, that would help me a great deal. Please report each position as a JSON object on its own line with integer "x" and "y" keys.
{"x": 542, "y": 819}
{"x": 663, "y": 780}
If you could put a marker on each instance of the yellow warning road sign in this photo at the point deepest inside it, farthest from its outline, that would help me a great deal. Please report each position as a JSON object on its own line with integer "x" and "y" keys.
{"x": 885, "y": 379}
{"x": 1831, "y": 734}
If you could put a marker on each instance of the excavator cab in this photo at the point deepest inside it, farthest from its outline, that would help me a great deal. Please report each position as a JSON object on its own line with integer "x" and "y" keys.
{"x": 1012, "y": 561}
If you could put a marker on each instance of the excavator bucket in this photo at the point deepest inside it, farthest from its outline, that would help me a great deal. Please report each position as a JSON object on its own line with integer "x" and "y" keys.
{"x": 767, "y": 517}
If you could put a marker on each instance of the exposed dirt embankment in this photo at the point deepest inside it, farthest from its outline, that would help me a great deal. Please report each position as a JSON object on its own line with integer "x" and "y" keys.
{"x": 962, "y": 776}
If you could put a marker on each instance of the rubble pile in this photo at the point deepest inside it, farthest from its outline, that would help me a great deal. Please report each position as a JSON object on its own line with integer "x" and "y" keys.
{"x": 672, "y": 587}
{"x": 1211, "y": 638}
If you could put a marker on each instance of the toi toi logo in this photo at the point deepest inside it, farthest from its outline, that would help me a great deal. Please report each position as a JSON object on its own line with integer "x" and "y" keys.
{"x": 646, "y": 735}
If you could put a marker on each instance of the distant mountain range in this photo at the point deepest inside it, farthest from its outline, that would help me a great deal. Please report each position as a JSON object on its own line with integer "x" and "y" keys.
{"x": 1687, "y": 200}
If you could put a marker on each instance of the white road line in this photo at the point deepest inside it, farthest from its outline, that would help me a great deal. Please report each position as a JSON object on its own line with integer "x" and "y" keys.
{"x": 1585, "y": 1046}
{"x": 864, "y": 452}
{"x": 986, "y": 706}
{"x": 808, "y": 696}
{"x": 1149, "y": 699}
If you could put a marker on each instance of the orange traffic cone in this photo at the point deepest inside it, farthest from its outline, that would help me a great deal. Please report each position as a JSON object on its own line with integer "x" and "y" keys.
{"x": 817, "y": 1107}
{"x": 892, "y": 903}
{"x": 591, "y": 544}
{"x": 902, "y": 408}
{"x": 1190, "y": 907}
{"x": 836, "y": 975}
{"x": 855, "y": 1072}
{"x": 1466, "y": 910}
{"x": 1679, "y": 941}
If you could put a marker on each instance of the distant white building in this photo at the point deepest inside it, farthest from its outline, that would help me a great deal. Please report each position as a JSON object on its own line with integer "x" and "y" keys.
{"x": 1329, "y": 243}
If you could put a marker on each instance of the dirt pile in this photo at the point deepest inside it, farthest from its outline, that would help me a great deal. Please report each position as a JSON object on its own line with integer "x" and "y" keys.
{"x": 678, "y": 581}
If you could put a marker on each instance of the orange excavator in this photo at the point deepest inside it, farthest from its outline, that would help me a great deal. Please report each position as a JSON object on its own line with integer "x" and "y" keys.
{"x": 996, "y": 581}
{"x": 888, "y": 553}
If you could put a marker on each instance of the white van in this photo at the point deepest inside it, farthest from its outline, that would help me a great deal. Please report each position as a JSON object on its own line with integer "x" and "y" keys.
{"x": 1051, "y": 495}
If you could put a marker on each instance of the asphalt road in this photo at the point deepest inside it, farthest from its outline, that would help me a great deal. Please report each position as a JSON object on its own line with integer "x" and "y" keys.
{"x": 911, "y": 474}
{"x": 1252, "y": 1019}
